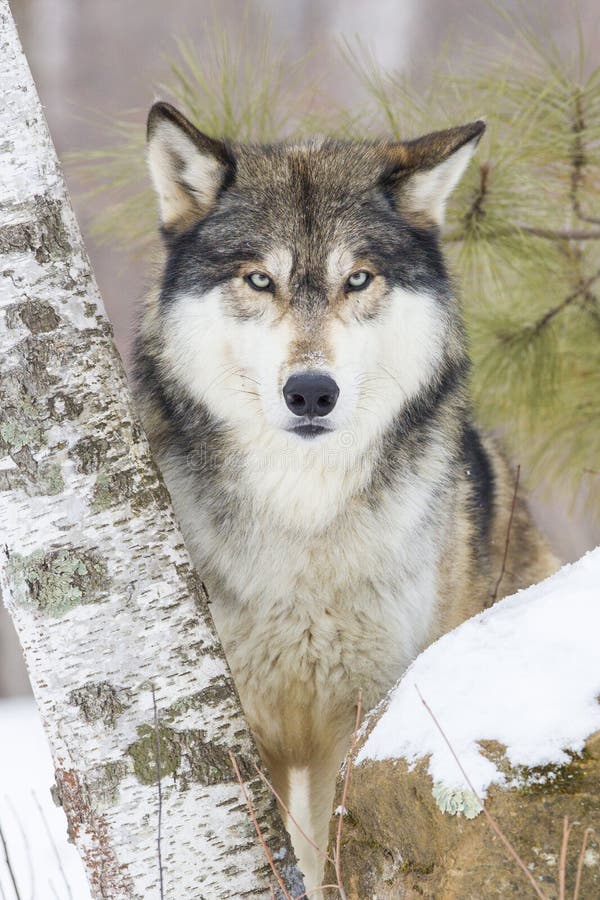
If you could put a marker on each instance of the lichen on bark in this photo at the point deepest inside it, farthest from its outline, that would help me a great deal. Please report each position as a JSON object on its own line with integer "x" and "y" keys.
{"x": 184, "y": 755}
{"x": 100, "y": 701}
{"x": 57, "y": 581}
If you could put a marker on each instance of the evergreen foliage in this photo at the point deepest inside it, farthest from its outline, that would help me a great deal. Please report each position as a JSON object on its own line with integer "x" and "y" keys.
{"x": 523, "y": 230}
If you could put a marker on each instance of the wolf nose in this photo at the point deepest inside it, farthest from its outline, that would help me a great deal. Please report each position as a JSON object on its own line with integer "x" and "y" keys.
{"x": 310, "y": 394}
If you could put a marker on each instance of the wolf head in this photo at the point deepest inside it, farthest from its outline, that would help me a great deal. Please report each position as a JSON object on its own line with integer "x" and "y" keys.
{"x": 304, "y": 294}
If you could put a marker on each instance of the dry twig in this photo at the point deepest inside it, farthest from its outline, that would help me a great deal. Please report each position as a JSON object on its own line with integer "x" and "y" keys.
{"x": 257, "y": 827}
{"x": 584, "y": 841}
{"x": 159, "y": 784}
{"x": 507, "y": 541}
{"x": 52, "y": 843}
{"x": 9, "y": 864}
{"x": 336, "y": 861}
{"x": 316, "y": 847}
{"x": 580, "y": 290}
{"x": 338, "y": 836}
{"x": 562, "y": 865}
{"x": 26, "y": 846}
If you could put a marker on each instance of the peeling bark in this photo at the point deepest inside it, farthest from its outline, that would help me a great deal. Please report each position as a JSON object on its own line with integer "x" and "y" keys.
{"x": 94, "y": 572}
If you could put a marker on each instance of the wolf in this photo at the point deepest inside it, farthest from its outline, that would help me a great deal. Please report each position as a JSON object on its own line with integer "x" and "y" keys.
{"x": 302, "y": 373}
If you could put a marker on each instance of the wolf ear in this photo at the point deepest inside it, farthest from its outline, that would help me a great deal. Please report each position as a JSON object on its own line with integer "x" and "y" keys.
{"x": 188, "y": 168}
{"x": 423, "y": 173}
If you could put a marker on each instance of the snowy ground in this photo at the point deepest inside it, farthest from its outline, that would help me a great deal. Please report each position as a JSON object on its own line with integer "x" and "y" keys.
{"x": 45, "y": 865}
{"x": 525, "y": 673}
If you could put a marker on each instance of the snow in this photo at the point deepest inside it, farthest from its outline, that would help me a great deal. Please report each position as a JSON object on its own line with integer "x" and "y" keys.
{"x": 525, "y": 673}
{"x": 26, "y": 775}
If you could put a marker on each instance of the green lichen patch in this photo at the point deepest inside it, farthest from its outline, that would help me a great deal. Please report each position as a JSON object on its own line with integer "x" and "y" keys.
{"x": 186, "y": 756}
{"x": 58, "y": 581}
{"x": 16, "y": 432}
{"x": 35, "y": 480}
{"x": 89, "y": 454}
{"x": 116, "y": 487}
{"x": 112, "y": 489}
{"x": 100, "y": 701}
{"x": 49, "y": 480}
{"x": 219, "y": 691}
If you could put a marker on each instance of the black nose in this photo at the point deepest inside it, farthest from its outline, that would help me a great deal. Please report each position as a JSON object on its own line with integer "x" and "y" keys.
{"x": 310, "y": 394}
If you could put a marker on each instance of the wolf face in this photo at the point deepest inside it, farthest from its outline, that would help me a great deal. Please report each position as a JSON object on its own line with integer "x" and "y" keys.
{"x": 305, "y": 299}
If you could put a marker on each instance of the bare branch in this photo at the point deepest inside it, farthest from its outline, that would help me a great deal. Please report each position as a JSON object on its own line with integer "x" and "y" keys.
{"x": 561, "y": 234}
{"x": 338, "y": 837}
{"x": 26, "y": 845}
{"x": 159, "y": 785}
{"x": 507, "y": 540}
{"x": 579, "y": 161}
{"x": 316, "y": 847}
{"x": 584, "y": 841}
{"x": 257, "y": 828}
{"x": 9, "y": 864}
{"x": 562, "y": 865}
{"x": 52, "y": 844}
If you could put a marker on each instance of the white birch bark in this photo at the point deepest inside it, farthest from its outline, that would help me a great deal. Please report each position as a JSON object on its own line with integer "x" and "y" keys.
{"x": 94, "y": 571}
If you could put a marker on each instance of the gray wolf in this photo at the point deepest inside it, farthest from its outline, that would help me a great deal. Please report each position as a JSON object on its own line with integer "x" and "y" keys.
{"x": 301, "y": 370}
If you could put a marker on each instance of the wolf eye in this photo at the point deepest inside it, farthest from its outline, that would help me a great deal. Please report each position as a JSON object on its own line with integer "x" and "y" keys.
{"x": 259, "y": 281}
{"x": 358, "y": 280}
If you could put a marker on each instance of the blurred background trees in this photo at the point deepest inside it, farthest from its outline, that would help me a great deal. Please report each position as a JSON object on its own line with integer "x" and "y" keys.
{"x": 523, "y": 234}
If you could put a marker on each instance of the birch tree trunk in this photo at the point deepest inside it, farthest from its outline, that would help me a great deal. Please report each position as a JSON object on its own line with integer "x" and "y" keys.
{"x": 128, "y": 673}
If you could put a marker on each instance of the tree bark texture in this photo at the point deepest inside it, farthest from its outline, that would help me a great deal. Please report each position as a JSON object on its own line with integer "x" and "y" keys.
{"x": 127, "y": 670}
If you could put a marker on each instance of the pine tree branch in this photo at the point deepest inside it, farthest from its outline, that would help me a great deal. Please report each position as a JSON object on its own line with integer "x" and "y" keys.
{"x": 476, "y": 210}
{"x": 550, "y": 234}
{"x": 581, "y": 289}
{"x": 560, "y": 234}
{"x": 578, "y": 162}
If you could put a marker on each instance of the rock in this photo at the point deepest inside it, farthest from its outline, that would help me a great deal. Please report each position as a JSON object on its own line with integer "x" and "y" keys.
{"x": 514, "y": 691}
{"x": 397, "y": 843}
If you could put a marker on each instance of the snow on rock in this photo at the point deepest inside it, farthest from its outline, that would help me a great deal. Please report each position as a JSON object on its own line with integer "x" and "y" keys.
{"x": 45, "y": 865}
{"x": 524, "y": 673}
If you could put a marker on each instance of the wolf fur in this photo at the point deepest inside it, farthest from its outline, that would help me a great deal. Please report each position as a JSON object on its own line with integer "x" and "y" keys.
{"x": 331, "y": 559}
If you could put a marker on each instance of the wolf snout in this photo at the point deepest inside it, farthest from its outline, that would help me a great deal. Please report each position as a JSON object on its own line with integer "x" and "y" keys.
{"x": 310, "y": 394}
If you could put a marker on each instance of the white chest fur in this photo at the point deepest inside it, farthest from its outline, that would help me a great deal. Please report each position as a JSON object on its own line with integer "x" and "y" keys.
{"x": 308, "y": 616}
